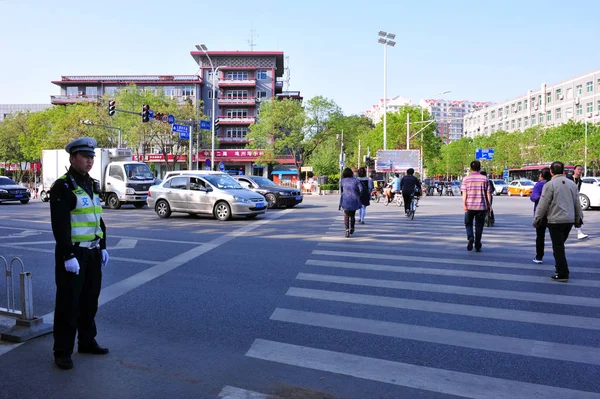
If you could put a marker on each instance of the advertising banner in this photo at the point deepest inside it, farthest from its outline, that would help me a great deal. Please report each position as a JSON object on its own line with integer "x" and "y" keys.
{"x": 397, "y": 161}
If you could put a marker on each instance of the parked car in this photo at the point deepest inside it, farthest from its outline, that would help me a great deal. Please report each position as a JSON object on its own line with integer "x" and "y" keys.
{"x": 589, "y": 195}
{"x": 590, "y": 180}
{"x": 275, "y": 195}
{"x": 500, "y": 186}
{"x": 520, "y": 187}
{"x": 214, "y": 194}
{"x": 11, "y": 191}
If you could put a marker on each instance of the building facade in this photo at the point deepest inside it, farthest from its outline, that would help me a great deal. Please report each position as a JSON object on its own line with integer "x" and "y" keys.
{"x": 7, "y": 109}
{"x": 449, "y": 115}
{"x": 375, "y": 114}
{"x": 244, "y": 79}
{"x": 577, "y": 98}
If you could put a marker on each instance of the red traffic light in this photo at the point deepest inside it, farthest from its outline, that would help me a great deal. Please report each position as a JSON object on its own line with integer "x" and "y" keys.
{"x": 145, "y": 107}
{"x": 111, "y": 103}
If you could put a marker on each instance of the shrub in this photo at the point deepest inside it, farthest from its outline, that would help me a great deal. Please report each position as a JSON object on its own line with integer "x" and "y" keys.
{"x": 330, "y": 187}
{"x": 333, "y": 179}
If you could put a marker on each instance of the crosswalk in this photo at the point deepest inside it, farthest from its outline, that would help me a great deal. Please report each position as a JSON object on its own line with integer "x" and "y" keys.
{"x": 483, "y": 325}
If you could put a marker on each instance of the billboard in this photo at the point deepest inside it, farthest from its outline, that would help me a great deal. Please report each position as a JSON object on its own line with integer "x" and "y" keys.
{"x": 397, "y": 161}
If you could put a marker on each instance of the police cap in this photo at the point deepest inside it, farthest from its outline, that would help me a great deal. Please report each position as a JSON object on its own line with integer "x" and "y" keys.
{"x": 84, "y": 144}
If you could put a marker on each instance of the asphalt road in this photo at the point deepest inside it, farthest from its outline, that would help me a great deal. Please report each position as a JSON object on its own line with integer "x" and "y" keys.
{"x": 284, "y": 305}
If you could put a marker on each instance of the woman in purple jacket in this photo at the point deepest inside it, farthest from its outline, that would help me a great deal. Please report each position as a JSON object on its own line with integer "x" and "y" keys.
{"x": 540, "y": 231}
{"x": 350, "y": 189}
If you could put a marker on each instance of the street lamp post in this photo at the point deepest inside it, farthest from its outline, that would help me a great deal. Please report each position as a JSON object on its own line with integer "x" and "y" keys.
{"x": 585, "y": 151}
{"x": 202, "y": 47}
{"x": 436, "y": 94}
{"x": 387, "y": 40}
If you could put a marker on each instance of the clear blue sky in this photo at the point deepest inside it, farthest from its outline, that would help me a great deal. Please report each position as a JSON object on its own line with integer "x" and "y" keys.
{"x": 481, "y": 50}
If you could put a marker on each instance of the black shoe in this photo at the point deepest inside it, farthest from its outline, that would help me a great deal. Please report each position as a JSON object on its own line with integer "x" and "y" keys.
{"x": 470, "y": 245}
{"x": 558, "y": 277}
{"x": 352, "y": 231}
{"x": 478, "y": 249}
{"x": 64, "y": 363}
{"x": 347, "y": 234}
{"x": 94, "y": 349}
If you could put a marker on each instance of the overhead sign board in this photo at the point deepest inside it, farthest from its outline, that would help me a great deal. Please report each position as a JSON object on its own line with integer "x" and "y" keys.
{"x": 398, "y": 161}
{"x": 205, "y": 125}
{"x": 183, "y": 130}
{"x": 484, "y": 154}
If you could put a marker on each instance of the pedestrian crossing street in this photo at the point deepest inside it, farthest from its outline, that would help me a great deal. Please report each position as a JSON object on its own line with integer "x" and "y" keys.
{"x": 424, "y": 314}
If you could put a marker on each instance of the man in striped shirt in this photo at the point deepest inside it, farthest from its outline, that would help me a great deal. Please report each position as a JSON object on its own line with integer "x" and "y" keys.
{"x": 476, "y": 198}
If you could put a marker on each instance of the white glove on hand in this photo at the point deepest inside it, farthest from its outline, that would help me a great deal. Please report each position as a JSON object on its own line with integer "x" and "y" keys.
{"x": 104, "y": 257}
{"x": 72, "y": 265}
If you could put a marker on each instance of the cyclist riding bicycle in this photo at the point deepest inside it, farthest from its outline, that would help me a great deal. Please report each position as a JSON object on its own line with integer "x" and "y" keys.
{"x": 408, "y": 186}
{"x": 396, "y": 188}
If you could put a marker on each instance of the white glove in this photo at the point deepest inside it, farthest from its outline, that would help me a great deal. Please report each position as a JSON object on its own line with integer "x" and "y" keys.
{"x": 104, "y": 257}
{"x": 72, "y": 265}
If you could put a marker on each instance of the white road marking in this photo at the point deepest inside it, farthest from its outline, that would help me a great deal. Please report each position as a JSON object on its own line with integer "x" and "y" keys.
{"x": 407, "y": 375}
{"x": 124, "y": 243}
{"x": 237, "y": 393}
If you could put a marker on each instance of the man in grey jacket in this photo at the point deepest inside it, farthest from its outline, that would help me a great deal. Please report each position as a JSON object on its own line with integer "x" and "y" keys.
{"x": 559, "y": 205}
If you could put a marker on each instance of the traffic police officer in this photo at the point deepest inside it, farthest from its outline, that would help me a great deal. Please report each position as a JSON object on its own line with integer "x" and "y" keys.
{"x": 80, "y": 254}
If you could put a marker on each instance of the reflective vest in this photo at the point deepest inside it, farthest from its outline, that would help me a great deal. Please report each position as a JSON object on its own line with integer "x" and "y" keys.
{"x": 85, "y": 218}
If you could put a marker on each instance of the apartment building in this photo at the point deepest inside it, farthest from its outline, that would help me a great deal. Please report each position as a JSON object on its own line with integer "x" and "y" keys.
{"x": 243, "y": 80}
{"x": 7, "y": 109}
{"x": 449, "y": 115}
{"x": 576, "y": 98}
{"x": 375, "y": 114}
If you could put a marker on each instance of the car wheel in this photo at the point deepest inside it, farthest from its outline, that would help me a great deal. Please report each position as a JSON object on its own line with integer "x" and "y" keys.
{"x": 222, "y": 211}
{"x": 24, "y": 201}
{"x": 44, "y": 196}
{"x": 139, "y": 205}
{"x": 584, "y": 201}
{"x": 113, "y": 201}
{"x": 162, "y": 208}
{"x": 521, "y": 193}
{"x": 271, "y": 201}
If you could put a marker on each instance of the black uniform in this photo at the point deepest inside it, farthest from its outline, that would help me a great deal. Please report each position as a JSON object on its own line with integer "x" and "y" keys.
{"x": 76, "y": 294}
{"x": 407, "y": 185}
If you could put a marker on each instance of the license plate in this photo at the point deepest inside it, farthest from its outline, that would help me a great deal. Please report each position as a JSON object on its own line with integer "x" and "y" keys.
{"x": 298, "y": 198}
{"x": 18, "y": 195}
{"x": 259, "y": 205}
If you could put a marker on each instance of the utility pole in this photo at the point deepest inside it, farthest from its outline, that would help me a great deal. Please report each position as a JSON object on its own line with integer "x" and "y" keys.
{"x": 358, "y": 154}
{"x": 408, "y": 131}
{"x": 191, "y": 142}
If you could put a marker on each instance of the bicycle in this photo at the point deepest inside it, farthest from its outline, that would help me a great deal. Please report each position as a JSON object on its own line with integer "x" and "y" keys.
{"x": 413, "y": 207}
{"x": 398, "y": 200}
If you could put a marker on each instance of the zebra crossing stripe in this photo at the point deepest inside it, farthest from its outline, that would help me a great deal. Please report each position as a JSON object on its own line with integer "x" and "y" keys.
{"x": 230, "y": 392}
{"x": 407, "y": 375}
{"x": 587, "y": 323}
{"x": 465, "y": 339}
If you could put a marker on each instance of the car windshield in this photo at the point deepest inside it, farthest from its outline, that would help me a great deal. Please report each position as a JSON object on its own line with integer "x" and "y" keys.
{"x": 225, "y": 182}
{"x": 264, "y": 182}
{"x": 499, "y": 181}
{"x": 138, "y": 171}
{"x": 5, "y": 181}
{"x": 526, "y": 183}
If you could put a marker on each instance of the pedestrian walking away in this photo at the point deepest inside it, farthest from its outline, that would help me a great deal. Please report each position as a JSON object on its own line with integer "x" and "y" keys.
{"x": 559, "y": 204}
{"x": 365, "y": 196}
{"x": 350, "y": 192}
{"x": 407, "y": 186}
{"x": 476, "y": 200}
{"x": 576, "y": 178}
{"x": 80, "y": 254}
{"x": 540, "y": 231}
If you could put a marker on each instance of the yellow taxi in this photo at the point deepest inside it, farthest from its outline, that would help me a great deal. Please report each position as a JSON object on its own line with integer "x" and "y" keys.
{"x": 520, "y": 187}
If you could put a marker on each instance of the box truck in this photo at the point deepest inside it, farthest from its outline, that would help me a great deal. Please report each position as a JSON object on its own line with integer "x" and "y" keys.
{"x": 122, "y": 180}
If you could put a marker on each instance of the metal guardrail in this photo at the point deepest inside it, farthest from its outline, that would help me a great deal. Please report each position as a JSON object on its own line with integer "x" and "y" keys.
{"x": 27, "y": 326}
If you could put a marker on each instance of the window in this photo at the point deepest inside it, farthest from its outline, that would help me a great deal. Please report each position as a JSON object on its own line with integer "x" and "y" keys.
{"x": 236, "y": 132}
{"x": 579, "y": 90}
{"x": 578, "y": 109}
{"x": 506, "y": 126}
{"x": 569, "y": 93}
{"x": 110, "y": 91}
{"x": 237, "y": 75}
{"x": 485, "y": 117}
{"x": 117, "y": 172}
{"x": 590, "y": 107}
{"x": 91, "y": 91}
{"x": 525, "y": 121}
{"x": 558, "y": 113}
{"x": 598, "y": 108}
{"x": 569, "y": 112}
{"x": 541, "y": 118}
{"x": 237, "y": 113}
{"x": 590, "y": 86}
{"x": 525, "y": 104}
{"x": 210, "y": 94}
{"x": 548, "y": 116}
{"x": 261, "y": 74}
{"x": 548, "y": 98}
{"x": 533, "y": 121}
{"x": 72, "y": 91}
{"x": 179, "y": 182}
{"x": 493, "y": 128}
{"x": 512, "y": 124}
{"x": 261, "y": 94}
{"x": 540, "y": 99}
{"x": 519, "y": 106}
{"x": 558, "y": 94}
{"x": 598, "y": 85}
{"x": 493, "y": 114}
{"x": 188, "y": 91}
{"x": 519, "y": 123}
{"x": 499, "y": 112}
{"x": 506, "y": 111}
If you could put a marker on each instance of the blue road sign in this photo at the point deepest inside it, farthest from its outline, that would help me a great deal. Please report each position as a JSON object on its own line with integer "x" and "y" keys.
{"x": 342, "y": 164}
{"x": 485, "y": 154}
{"x": 505, "y": 174}
{"x": 205, "y": 125}
{"x": 208, "y": 162}
{"x": 183, "y": 130}
{"x": 150, "y": 114}
{"x": 221, "y": 166}
{"x": 171, "y": 119}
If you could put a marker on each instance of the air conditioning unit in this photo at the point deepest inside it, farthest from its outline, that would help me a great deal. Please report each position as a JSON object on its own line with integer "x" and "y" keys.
{"x": 577, "y": 101}
{"x": 515, "y": 110}
{"x": 500, "y": 118}
{"x": 535, "y": 108}
{"x": 597, "y": 113}
{"x": 589, "y": 114}
{"x": 561, "y": 97}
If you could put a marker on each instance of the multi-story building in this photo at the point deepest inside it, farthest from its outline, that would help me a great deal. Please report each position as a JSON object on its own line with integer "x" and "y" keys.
{"x": 577, "y": 98}
{"x": 7, "y": 109}
{"x": 449, "y": 115}
{"x": 244, "y": 79}
{"x": 375, "y": 114}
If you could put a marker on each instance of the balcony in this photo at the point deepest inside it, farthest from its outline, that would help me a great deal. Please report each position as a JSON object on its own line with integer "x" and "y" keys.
{"x": 237, "y": 82}
{"x": 236, "y": 120}
{"x": 247, "y": 101}
{"x": 227, "y": 139}
{"x": 62, "y": 99}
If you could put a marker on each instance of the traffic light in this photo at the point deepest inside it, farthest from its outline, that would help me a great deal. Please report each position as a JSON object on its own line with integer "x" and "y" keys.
{"x": 111, "y": 108}
{"x": 145, "y": 113}
{"x": 216, "y": 125}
